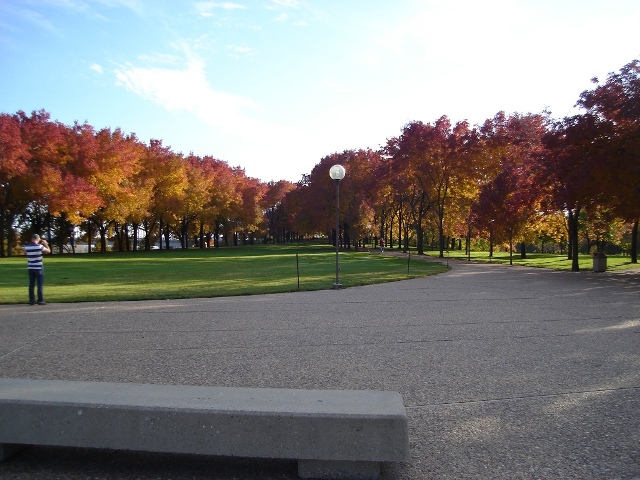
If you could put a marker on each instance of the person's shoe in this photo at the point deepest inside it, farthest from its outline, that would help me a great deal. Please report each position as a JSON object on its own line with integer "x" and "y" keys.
{"x": 32, "y": 303}
{"x": 42, "y": 303}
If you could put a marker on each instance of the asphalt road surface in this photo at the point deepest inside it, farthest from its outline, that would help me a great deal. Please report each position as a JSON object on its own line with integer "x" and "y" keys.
{"x": 506, "y": 372}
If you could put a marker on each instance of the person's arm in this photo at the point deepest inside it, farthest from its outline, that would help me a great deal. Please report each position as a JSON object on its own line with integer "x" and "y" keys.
{"x": 45, "y": 246}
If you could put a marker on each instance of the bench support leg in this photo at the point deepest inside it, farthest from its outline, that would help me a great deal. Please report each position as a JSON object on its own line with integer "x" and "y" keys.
{"x": 327, "y": 469}
{"x": 8, "y": 449}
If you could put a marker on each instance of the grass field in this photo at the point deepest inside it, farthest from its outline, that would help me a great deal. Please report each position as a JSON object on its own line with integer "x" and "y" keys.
{"x": 546, "y": 260}
{"x": 203, "y": 273}
{"x": 238, "y": 271}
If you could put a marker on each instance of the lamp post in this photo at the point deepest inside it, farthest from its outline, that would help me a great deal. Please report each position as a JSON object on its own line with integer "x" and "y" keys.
{"x": 337, "y": 173}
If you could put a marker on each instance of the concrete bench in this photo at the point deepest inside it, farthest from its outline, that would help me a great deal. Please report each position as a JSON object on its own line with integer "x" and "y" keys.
{"x": 331, "y": 433}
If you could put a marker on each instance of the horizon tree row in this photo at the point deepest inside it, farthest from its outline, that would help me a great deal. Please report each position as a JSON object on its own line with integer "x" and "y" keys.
{"x": 58, "y": 179}
{"x": 513, "y": 179}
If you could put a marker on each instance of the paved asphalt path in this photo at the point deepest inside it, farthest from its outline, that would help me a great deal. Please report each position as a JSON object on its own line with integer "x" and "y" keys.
{"x": 506, "y": 372}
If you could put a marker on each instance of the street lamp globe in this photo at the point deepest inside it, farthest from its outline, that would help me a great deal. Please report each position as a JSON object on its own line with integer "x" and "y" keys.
{"x": 337, "y": 172}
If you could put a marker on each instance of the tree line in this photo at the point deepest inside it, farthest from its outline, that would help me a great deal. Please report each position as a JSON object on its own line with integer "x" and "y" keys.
{"x": 514, "y": 179}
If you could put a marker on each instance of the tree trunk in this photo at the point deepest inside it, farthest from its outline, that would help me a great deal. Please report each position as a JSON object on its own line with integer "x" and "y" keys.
{"x": 6, "y": 233}
{"x": 441, "y": 231}
{"x": 134, "y": 227}
{"x": 491, "y": 243}
{"x": 103, "y": 238}
{"x": 573, "y": 238}
{"x": 406, "y": 238}
{"x": 400, "y": 225}
{"x": 422, "y": 211}
{"x": 89, "y": 236}
{"x": 62, "y": 224}
{"x": 11, "y": 235}
{"x": 216, "y": 239}
{"x": 634, "y": 242}
{"x": 148, "y": 227}
{"x": 72, "y": 239}
{"x": 125, "y": 236}
{"x": 511, "y": 247}
{"x": 2, "y": 230}
{"x": 166, "y": 236}
{"x": 420, "y": 238}
{"x": 119, "y": 234}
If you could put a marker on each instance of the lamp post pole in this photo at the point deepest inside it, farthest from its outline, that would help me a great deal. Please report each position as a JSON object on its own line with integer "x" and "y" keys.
{"x": 337, "y": 173}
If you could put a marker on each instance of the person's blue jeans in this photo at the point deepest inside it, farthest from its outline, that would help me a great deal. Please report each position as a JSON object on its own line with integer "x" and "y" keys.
{"x": 36, "y": 277}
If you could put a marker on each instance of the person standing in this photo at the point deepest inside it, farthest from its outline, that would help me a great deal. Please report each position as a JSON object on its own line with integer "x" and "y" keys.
{"x": 34, "y": 251}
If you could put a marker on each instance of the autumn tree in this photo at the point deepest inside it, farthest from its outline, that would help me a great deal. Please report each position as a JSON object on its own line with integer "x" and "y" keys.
{"x": 224, "y": 199}
{"x": 508, "y": 200}
{"x": 566, "y": 172}
{"x": 43, "y": 177}
{"x": 505, "y": 204}
{"x": 616, "y": 104}
{"x": 601, "y": 226}
{"x": 389, "y": 202}
{"x": 411, "y": 198}
{"x": 276, "y": 213}
{"x": 315, "y": 202}
{"x": 139, "y": 188}
{"x": 296, "y": 204}
{"x": 194, "y": 198}
{"x": 123, "y": 187}
{"x": 56, "y": 182}
{"x": 14, "y": 158}
{"x": 169, "y": 185}
{"x": 78, "y": 197}
{"x": 434, "y": 159}
{"x": 213, "y": 194}
{"x": 357, "y": 194}
{"x": 249, "y": 213}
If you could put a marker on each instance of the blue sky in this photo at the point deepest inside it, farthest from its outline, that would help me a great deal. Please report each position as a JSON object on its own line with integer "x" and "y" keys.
{"x": 272, "y": 86}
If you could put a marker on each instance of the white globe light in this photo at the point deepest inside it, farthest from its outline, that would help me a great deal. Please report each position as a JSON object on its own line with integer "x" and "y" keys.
{"x": 337, "y": 172}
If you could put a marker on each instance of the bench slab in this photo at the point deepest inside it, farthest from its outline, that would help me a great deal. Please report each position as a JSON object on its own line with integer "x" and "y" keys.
{"x": 332, "y": 433}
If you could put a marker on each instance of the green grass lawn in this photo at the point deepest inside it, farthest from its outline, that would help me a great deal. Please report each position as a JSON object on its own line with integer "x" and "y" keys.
{"x": 203, "y": 273}
{"x": 542, "y": 260}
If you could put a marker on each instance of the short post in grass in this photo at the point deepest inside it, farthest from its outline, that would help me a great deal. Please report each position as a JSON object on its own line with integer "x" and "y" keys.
{"x": 337, "y": 173}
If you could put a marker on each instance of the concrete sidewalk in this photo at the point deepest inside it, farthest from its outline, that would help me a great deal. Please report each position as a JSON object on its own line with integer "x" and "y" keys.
{"x": 506, "y": 372}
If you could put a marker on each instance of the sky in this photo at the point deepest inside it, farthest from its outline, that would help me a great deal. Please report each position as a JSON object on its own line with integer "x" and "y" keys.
{"x": 272, "y": 86}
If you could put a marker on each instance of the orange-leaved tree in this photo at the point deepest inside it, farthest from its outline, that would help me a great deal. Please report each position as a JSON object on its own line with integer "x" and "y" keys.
{"x": 14, "y": 157}
{"x": 616, "y": 102}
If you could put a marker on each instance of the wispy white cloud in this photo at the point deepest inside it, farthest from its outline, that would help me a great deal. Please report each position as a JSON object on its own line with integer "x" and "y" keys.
{"x": 206, "y": 9}
{"x": 286, "y": 3}
{"x": 36, "y": 18}
{"x": 290, "y": 11}
{"x": 186, "y": 89}
{"x": 86, "y": 6}
{"x": 162, "y": 59}
{"x": 229, "y": 118}
{"x": 492, "y": 53}
{"x": 97, "y": 68}
{"x": 136, "y": 6}
{"x": 236, "y": 51}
